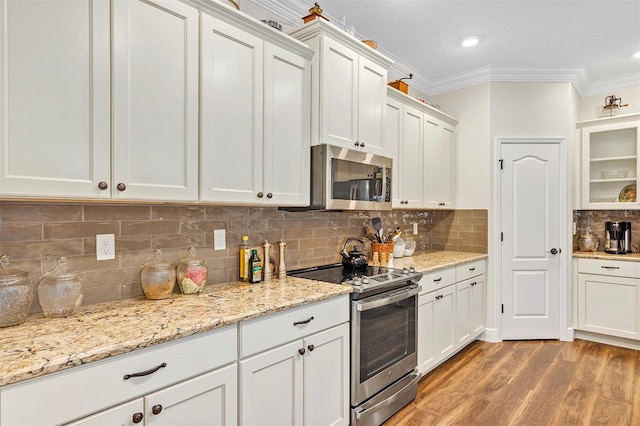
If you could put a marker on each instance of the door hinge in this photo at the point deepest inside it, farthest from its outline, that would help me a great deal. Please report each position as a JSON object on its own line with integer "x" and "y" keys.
{"x": 502, "y": 236}
{"x": 502, "y": 308}
{"x": 501, "y": 164}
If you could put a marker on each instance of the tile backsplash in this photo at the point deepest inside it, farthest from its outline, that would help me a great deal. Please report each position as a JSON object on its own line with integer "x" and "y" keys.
{"x": 34, "y": 235}
{"x": 595, "y": 219}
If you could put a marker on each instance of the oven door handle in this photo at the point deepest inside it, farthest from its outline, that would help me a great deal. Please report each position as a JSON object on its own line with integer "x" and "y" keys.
{"x": 393, "y": 298}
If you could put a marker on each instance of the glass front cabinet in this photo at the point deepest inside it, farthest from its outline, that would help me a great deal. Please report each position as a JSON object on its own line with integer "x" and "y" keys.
{"x": 610, "y": 167}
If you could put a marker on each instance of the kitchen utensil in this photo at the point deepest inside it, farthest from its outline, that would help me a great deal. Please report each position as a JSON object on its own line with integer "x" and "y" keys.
{"x": 355, "y": 258}
{"x": 16, "y": 294}
{"x": 376, "y": 222}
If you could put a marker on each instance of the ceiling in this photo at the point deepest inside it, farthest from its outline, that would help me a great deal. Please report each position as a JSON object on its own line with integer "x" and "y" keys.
{"x": 589, "y": 43}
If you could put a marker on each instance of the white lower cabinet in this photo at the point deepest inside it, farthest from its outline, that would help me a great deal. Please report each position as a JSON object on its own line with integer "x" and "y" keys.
{"x": 191, "y": 381}
{"x": 304, "y": 381}
{"x": 451, "y": 312}
{"x": 609, "y": 297}
{"x": 209, "y": 399}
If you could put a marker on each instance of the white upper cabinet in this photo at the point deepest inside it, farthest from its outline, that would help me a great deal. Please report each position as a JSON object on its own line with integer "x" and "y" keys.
{"x": 348, "y": 91}
{"x": 54, "y": 83}
{"x": 254, "y": 119}
{"x": 155, "y": 100}
{"x": 61, "y": 108}
{"x": 610, "y": 166}
{"x": 424, "y": 167}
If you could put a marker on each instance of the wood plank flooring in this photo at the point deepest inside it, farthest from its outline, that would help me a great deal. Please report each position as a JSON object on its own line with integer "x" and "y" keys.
{"x": 530, "y": 383}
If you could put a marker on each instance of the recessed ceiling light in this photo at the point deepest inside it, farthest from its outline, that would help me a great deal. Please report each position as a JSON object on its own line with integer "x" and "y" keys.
{"x": 637, "y": 54}
{"x": 470, "y": 41}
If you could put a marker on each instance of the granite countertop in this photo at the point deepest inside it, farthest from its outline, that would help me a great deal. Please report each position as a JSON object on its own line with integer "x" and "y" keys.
{"x": 629, "y": 257}
{"x": 43, "y": 345}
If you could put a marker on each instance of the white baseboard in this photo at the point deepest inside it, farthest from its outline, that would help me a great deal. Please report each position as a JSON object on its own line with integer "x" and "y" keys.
{"x": 491, "y": 335}
{"x": 608, "y": 340}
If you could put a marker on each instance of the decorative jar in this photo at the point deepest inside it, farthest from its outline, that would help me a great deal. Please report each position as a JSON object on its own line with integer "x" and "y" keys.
{"x": 409, "y": 246}
{"x": 191, "y": 273}
{"x": 16, "y": 294}
{"x": 60, "y": 291}
{"x": 158, "y": 278}
{"x": 588, "y": 242}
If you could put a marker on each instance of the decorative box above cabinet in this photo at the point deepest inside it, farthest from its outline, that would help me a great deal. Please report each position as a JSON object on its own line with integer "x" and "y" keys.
{"x": 610, "y": 167}
{"x": 348, "y": 91}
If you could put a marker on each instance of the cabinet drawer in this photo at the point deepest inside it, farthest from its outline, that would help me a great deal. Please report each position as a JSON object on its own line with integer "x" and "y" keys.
{"x": 437, "y": 279}
{"x": 471, "y": 269}
{"x": 614, "y": 268}
{"x": 273, "y": 330}
{"x": 94, "y": 386}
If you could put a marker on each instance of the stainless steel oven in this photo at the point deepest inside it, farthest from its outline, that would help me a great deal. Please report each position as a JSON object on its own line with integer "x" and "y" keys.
{"x": 384, "y": 330}
{"x": 383, "y": 342}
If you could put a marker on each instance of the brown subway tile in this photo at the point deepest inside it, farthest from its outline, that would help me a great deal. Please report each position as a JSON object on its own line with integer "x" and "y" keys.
{"x": 20, "y": 232}
{"x": 177, "y": 212}
{"x": 177, "y": 241}
{"x": 283, "y": 224}
{"x": 102, "y": 293}
{"x": 150, "y": 227}
{"x": 227, "y": 213}
{"x": 116, "y": 213}
{"x": 79, "y": 229}
{"x": 17, "y": 212}
{"x": 42, "y": 249}
{"x": 194, "y": 226}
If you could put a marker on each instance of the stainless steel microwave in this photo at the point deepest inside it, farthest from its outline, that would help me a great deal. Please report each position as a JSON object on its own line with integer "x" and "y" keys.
{"x": 346, "y": 179}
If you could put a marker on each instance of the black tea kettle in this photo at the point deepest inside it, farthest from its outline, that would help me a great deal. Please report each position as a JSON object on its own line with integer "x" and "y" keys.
{"x": 355, "y": 258}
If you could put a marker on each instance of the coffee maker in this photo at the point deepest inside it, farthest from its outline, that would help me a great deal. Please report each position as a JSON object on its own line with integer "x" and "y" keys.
{"x": 617, "y": 237}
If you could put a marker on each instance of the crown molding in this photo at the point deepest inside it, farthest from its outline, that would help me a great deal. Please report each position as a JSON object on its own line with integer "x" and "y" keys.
{"x": 292, "y": 11}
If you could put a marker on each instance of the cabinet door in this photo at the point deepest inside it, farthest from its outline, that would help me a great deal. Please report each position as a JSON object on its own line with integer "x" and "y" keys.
{"x": 272, "y": 387}
{"x": 607, "y": 148}
{"x": 326, "y": 377}
{"x": 155, "y": 100}
{"x": 427, "y": 351}
{"x": 463, "y": 312}
{"x": 444, "y": 322}
{"x": 338, "y": 94}
{"x": 54, "y": 86}
{"x": 231, "y": 116}
{"x": 409, "y": 164}
{"x": 392, "y": 134}
{"x": 286, "y": 128}
{"x": 478, "y": 307}
{"x": 609, "y": 305}
{"x": 209, "y": 399}
{"x": 438, "y": 164}
{"x": 127, "y": 414}
{"x": 372, "y": 97}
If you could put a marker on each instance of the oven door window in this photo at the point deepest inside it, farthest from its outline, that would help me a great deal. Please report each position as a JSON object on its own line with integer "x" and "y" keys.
{"x": 387, "y": 335}
{"x": 359, "y": 182}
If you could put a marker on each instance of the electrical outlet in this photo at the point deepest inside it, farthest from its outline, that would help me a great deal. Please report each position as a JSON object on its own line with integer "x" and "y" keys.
{"x": 219, "y": 239}
{"x": 105, "y": 247}
{"x": 415, "y": 228}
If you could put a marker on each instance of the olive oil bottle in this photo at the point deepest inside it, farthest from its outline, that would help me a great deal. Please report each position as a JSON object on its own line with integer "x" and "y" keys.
{"x": 255, "y": 267}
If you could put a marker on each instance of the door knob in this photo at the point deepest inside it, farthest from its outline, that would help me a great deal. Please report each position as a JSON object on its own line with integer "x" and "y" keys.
{"x": 555, "y": 251}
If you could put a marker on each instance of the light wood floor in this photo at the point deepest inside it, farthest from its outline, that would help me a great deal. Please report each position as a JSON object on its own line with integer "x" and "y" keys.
{"x": 530, "y": 383}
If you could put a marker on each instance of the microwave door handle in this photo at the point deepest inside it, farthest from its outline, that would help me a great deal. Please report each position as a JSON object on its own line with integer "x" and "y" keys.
{"x": 396, "y": 297}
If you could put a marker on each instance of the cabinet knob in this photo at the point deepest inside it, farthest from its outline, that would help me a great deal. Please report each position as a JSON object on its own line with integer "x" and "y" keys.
{"x": 361, "y": 144}
{"x": 311, "y": 347}
{"x": 103, "y": 185}
{"x": 301, "y": 351}
{"x": 269, "y": 195}
{"x": 137, "y": 417}
{"x": 156, "y": 409}
{"x": 260, "y": 195}
{"x": 357, "y": 144}
{"x": 121, "y": 187}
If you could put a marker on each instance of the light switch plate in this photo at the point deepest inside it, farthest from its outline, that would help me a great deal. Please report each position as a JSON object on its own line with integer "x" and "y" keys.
{"x": 415, "y": 228}
{"x": 219, "y": 239}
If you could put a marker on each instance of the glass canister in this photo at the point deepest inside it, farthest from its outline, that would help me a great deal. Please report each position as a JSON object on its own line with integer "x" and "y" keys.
{"x": 16, "y": 294}
{"x": 191, "y": 273}
{"x": 60, "y": 291}
{"x": 409, "y": 246}
{"x": 158, "y": 278}
{"x": 588, "y": 242}
{"x": 398, "y": 248}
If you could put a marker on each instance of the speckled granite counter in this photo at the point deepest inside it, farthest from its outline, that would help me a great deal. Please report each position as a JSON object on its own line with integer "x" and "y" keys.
{"x": 630, "y": 257}
{"x": 44, "y": 345}
{"x": 435, "y": 260}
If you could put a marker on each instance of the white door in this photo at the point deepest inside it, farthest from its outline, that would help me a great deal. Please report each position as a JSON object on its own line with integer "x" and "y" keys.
{"x": 530, "y": 225}
{"x": 155, "y": 100}
{"x": 409, "y": 165}
{"x": 372, "y": 98}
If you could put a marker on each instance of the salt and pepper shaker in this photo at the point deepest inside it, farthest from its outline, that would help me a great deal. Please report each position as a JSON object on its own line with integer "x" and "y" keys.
{"x": 267, "y": 263}
{"x": 282, "y": 270}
